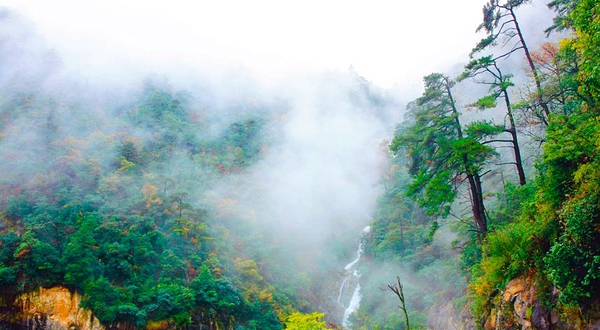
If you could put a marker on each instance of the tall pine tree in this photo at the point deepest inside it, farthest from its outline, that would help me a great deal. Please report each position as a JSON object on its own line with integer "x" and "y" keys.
{"x": 441, "y": 154}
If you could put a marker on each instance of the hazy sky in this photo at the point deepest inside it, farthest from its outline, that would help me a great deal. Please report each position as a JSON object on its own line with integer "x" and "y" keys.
{"x": 388, "y": 42}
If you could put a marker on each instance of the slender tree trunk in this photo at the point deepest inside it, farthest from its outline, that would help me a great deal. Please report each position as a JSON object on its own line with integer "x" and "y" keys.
{"x": 513, "y": 132}
{"x": 477, "y": 205}
{"x": 481, "y": 207}
{"x": 536, "y": 77}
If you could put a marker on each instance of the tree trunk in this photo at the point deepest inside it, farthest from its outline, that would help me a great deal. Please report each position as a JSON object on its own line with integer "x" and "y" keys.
{"x": 473, "y": 177}
{"x": 513, "y": 132}
{"x": 536, "y": 77}
{"x": 481, "y": 207}
{"x": 477, "y": 203}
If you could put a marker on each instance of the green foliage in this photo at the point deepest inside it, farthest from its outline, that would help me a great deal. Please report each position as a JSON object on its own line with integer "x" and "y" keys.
{"x": 555, "y": 232}
{"x": 563, "y": 19}
{"x": 430, "y": 264}
{"x": 486, "y": 102}
{"x": 586, "y": 23}
{"x": 437, "y": 151}
{"x": 484, "y": 43}
{"x": 494, "y": 11}
{"x": 8, "y": 276}
{"x": 399, "y": 225}
{"x": 573, "y": 262}
{"x": 299, "y": 321}
{"x": 81, "y": 263}
{"x": 101, "y": 298}
{"x": 402, "y": 234}
{"x": 509, "y": 253}
{"x": 512, "y": 201}
{"x": 242, "y": 142}
{"x": 38, "y": 260}
{"x": 111, "y": 215}
{"x": 481, "y": 129}
{"x": 120, "y": 228}
{"x": 567, "y": 186}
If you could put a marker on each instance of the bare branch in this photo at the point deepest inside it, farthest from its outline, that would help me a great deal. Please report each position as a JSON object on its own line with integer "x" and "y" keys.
{"x": 397, "y": 289}
{"x": 490, "y": 141}
{"x": 507, "y": 54}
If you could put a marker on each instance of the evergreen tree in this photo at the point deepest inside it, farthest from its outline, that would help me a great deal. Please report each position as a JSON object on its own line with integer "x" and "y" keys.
{"x": 441, "y": 155}
{"x": 500, "y": 21}
{"x": 499, "y": 85}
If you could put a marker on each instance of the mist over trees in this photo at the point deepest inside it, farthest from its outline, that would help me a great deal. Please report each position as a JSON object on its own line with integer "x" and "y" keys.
{"x": 209, "y": 204}
{"x": 162, "y": 207}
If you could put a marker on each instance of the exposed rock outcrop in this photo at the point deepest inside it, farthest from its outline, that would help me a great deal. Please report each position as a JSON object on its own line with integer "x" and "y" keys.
{"x": 447, "y": 317}
{"x": 519, "y": 306}
{"x": 50, "y": 309}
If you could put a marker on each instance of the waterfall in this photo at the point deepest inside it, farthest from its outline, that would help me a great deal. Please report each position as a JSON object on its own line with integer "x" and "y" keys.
{"x": 351, "y": 280}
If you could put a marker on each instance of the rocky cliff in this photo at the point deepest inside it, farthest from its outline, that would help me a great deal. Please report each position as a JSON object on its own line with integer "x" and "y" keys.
{"x": 524, "y": 305}
{"x": 54, "y": 308}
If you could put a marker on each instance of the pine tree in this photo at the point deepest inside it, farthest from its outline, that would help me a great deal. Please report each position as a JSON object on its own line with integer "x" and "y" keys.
{"x": 499, "y": 84}
{"x": 441, "y": 155}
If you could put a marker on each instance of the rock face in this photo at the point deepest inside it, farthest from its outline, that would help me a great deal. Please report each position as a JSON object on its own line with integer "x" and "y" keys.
{"x": 447, "y": 318}
{"x": 519, "y": 307}
{"x": 56, "y": 309}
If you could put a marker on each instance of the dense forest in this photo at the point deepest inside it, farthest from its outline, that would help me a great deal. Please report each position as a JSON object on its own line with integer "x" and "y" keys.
{"x": 151, "y": 204}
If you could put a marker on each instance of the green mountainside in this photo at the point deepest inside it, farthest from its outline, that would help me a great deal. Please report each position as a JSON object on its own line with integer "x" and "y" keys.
{"x": 120, "y": 199}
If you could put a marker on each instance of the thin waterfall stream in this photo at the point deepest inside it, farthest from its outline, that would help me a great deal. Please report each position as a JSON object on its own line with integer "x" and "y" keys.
{"x": 350, "y": 283}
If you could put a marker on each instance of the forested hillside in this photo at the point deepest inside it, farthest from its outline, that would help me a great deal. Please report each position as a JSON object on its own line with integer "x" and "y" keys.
{"x": 163, "y": 207}
{"x": 524, "y": 251}
{"x": 151, "y": 202}
{"x": 107, "y": 213}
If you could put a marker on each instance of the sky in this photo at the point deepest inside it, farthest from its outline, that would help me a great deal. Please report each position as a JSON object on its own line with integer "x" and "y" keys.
{"x": 391, "y": 43}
